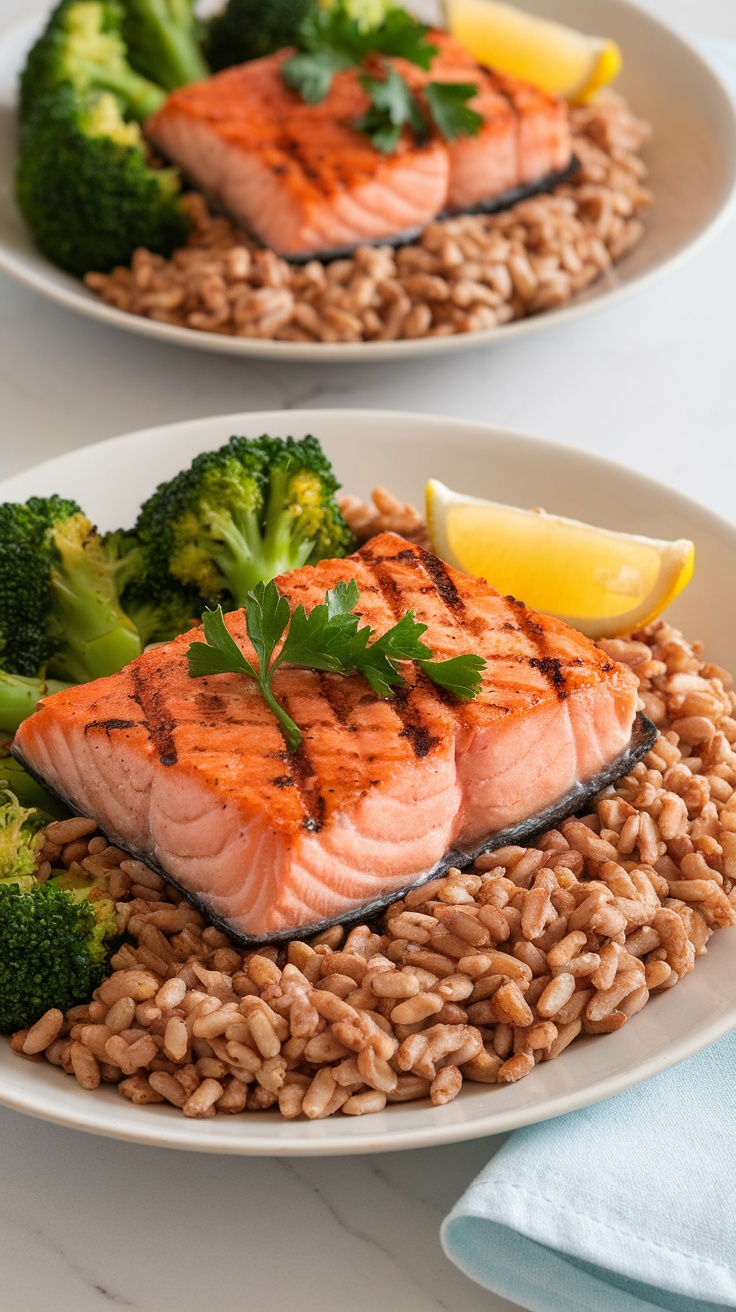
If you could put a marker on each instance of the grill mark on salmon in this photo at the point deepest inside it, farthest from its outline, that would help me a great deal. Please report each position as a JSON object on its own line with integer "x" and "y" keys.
{"x": 209, "y": 703}
{"x": 338, "y": 696}
{"x": 389, "y": 589}
{"x": 108, "y": 726}
{"x": 383, "y": 792}
{"x": 443, "y": 583}
{"x": 549, "y": 666}
{"x": 158, "y": 721}
{"x": 414, "y": 727}
{"x": 305, "y": 780}
{"x": 415, "y": 556}
{"x": 552, "y": 669}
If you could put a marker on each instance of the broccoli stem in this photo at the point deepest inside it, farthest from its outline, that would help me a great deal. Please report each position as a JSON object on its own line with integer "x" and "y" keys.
{"x": 238, "y": 553}
{"x": 246, "y": 556}
{"x": 162, "y": 42}
{"x": 142, "y": 98}
{"x": 19, "y": 698}
{"x": 99, "y": 638}
{"x": 282, "y": 539}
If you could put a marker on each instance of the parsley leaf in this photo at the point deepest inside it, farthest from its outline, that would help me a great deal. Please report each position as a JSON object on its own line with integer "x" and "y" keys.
{"x": 461, "y": 675}
{"x": 392, "y": 107}
{"x": 404, "y": 37}
{"x": 329, "y": 638}
{"x": 448, "y": 105}
{"x": 343, "y": 598}
{"x": 267, "y": 616}
{"x": 329, "y": 40}
{"x": 378, "y": 663}
{"x": 311, "y": 73}
{"x": 334, "y": 29}
{"x": 219, "y": 653}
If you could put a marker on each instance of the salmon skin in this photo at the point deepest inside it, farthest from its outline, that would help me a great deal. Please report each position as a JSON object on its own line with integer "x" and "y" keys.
{"x": 306, "y": 183}
{"x": 193, "y": 775}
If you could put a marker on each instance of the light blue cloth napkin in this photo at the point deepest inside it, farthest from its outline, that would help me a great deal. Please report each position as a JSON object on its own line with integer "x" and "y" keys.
{"x": 722, "y": 55}
{"x": 627, "y": 1206}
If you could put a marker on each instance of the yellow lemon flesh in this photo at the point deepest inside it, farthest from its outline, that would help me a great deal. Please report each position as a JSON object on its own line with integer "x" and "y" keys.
{"x": 556, "y": 58}
{"x": 602, "y": 583}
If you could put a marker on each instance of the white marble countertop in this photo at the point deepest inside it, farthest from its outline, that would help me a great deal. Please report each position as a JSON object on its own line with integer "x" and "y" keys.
{"x": 87, "y": 1224}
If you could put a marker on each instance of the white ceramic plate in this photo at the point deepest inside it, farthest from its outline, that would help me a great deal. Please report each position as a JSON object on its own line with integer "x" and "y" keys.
{"x": 402, "y": 451}
{"x": 693, "y": 176}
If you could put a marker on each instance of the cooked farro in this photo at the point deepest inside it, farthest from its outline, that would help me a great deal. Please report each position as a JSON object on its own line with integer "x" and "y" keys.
{"x": 462, "y": 275}
{"x": 475, "y": 977}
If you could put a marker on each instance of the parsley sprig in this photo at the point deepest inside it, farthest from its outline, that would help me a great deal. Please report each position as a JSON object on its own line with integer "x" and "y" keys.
{"x": 392, "y": 107}
{"x": 451, "y": 114}
{"x": 330, "y": 638}
{"x": 330, "y": 40}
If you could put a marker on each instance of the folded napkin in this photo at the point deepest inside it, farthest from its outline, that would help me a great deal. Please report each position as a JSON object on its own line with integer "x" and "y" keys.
{"x": 627, "y": 1206}
{"x": 722, "y": 55}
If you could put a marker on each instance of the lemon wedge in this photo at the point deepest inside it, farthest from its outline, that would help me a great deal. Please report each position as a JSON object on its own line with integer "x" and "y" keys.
{"x": 556, "y": 58}
{"x": 601, "y": 582}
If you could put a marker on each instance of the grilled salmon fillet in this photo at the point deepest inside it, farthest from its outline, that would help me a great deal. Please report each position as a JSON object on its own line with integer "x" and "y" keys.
{"x": 193, "y": 774}
{"x": 304, "y": 181}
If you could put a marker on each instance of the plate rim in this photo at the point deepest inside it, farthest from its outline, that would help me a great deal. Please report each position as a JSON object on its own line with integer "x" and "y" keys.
{"x": 169, "y": 1131}
{"x": 293, "y": 417}
{"x": 91, "y": 307}
{"x": 481, "y": 1127}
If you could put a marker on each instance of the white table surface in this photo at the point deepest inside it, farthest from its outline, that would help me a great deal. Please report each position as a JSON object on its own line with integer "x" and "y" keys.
{"x": 87, "y": 1224}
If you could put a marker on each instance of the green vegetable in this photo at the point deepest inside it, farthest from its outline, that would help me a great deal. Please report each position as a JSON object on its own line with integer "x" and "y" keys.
{"x": 55, "y": 943}
{"x": 329, "y": 638}
{"x": 27, "y": 790}
{"x": 158, "y": 605}
{"x": 20, "y": 841}
{"x": 19, "y": 697}
{"x": 448, "y": 105}
{"x": 74, "y": 606}
{"x": 55, "y": 938}
{"x": 60, "y": 610}
{"x": 83, "y": 182}
{"x": 243, "y": 514}
{"x": 163, "y": 41}
{"x": 392, "y": 107}
{"x": 312, "y": 72}
{"x": 249, "y": 29}
{"x": 82, "y": 48}
{"x": 330, "y": 39}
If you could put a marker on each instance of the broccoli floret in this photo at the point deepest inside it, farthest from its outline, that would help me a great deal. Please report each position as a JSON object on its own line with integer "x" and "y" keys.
{"x": 243, "y": 514}
{"x": 20, "y": 842}
{"x": 55, "y": 937}
{"x": 161, "y": 610}
{"x": 82, "y": 48}
{"x": 60, "y": 611}
{"x": 163, "y": 41}
{"x": 249, "y": 29}
{"x": 55, "y": 943}
{"x": 84, "y": 183}
{"x": 19, "y": 698}
{"x": 159, "y": 606}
